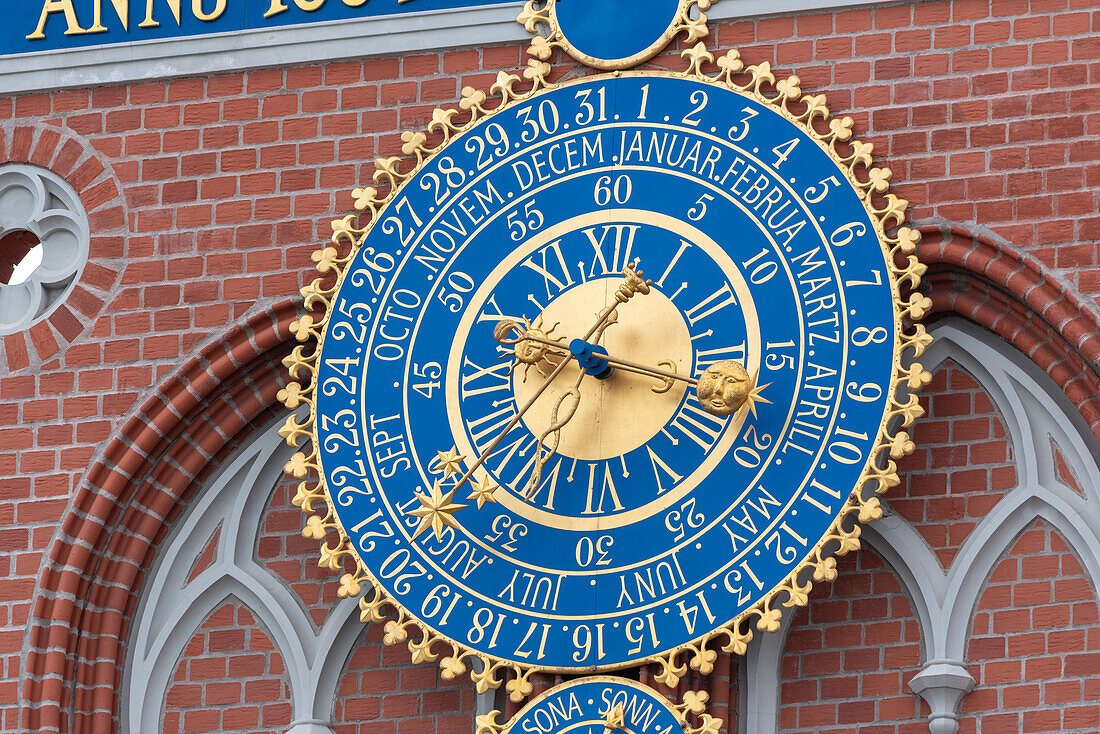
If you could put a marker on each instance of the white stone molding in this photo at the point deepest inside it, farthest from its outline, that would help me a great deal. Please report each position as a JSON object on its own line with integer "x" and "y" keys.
{"x": 758, "y": 698}
{"x": 1033, "y": 412}
{"x": 943, "y": 684}
{"x": 485, "y": 702}
{"x": 309, "y": 727}
{"x": 36, "y": 200}
{"x": 389, "y": 35}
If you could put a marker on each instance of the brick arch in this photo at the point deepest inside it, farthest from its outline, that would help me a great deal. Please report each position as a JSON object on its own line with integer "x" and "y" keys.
{"x": 74, "y": 159}
{"x": 88, "y": 589}
{"x": 1014, "y": 297}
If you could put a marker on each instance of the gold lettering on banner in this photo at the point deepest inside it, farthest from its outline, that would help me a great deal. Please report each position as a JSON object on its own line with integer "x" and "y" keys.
{"x": 280, "y": 6}
{"x": 219, "y": 9}
{"x": 173, "y": 5}
{"x": 58, "y": 6}
{"x": 122, "y": 10}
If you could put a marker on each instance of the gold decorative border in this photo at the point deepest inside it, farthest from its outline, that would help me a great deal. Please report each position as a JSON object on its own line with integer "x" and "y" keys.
{"x": 693, "y": 704}
{"x": 899, "y": 242}
{"x": 533, "y": 17}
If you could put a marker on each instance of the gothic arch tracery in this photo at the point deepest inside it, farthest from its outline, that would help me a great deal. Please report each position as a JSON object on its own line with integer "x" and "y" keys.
{"x": 1035, "y": 412}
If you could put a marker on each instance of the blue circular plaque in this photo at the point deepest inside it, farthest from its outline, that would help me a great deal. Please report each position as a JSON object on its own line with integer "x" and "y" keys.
{"x": 615, "y": 34}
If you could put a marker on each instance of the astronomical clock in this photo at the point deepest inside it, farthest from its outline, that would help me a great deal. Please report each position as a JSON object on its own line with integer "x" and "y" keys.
{"x": 606, "y": 370}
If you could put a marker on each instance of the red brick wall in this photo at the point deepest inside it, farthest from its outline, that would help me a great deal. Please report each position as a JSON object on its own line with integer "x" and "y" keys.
{"x": 380, "y": 693}
{"x": 291, "y": 557}
{"x": 208, "y": 194}
{"x": 1035, "y": 644}
{"x": 229, "y": 678}
{"x": 850, "y": 655}
{"x": 962, "y": 466}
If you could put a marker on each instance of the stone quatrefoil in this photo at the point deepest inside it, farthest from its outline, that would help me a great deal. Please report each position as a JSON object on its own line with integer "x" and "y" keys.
{"x": 38, "y": 201}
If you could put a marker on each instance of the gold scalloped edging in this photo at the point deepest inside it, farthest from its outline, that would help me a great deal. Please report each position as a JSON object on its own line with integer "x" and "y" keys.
{"x": 887, "y": 213}
{"x": 693, "y": 706}
{"x": 532, "y": 18}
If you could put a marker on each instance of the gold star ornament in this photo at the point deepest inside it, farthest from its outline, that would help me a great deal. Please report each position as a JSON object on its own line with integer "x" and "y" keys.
{"x": 450, "y": 462}
{"x": 754, "y": 396}
{"x": 483, "y": 492}
{"x": 435, "y": 511}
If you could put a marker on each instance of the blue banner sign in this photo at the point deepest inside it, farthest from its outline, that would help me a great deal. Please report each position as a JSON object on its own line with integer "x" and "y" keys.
{"x": 48, "y": 25}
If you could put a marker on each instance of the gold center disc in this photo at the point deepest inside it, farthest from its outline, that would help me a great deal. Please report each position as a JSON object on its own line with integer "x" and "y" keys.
{"x": 621, "y": 413}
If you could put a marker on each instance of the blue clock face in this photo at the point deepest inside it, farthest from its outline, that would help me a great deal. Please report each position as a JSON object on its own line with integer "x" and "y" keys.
{"x": 606, "y": 518}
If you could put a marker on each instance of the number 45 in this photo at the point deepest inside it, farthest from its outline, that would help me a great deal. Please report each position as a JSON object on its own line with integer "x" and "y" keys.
{"x": 429, "y": 372}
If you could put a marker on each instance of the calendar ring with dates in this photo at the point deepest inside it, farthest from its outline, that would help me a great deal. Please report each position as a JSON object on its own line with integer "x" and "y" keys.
{"x": 608, "y": 479}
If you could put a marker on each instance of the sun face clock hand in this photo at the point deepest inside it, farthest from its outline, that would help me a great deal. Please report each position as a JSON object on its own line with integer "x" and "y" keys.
{"x": 726, "y": 386}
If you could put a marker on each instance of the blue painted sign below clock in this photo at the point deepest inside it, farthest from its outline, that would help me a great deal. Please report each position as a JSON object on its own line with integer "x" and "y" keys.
{"x": 598, "y": 705}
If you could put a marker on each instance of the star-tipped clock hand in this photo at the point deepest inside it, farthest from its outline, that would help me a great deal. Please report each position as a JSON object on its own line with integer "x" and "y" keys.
{"x": 633, "y": 283}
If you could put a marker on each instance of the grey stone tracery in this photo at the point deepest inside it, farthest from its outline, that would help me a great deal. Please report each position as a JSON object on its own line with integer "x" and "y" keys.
{"x": 39, "y": 201}
{"x": 1033, "y": 411}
